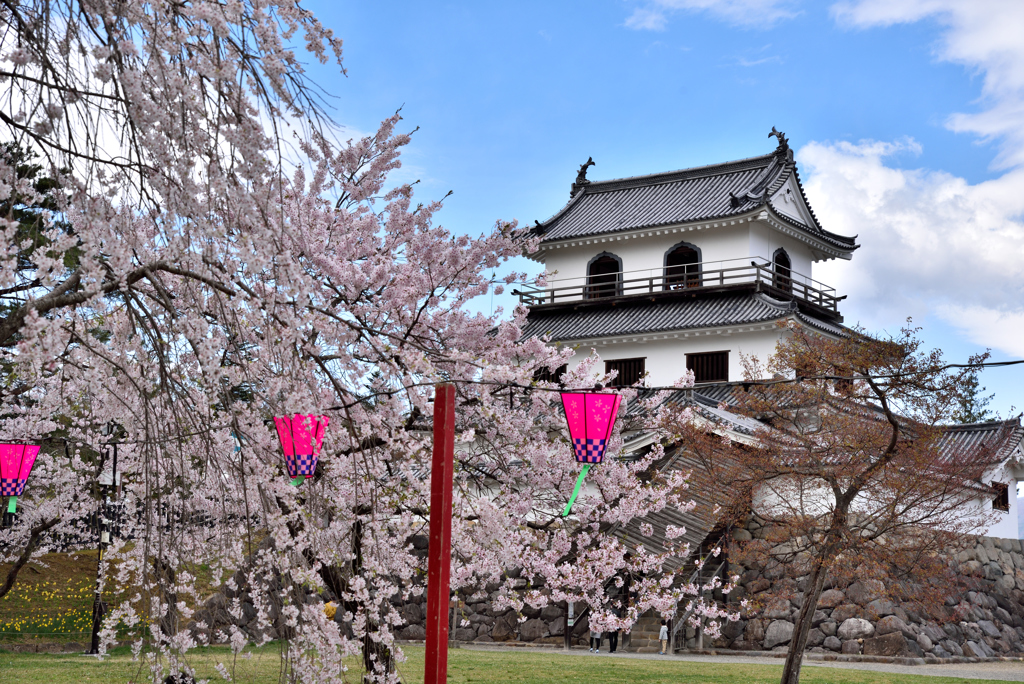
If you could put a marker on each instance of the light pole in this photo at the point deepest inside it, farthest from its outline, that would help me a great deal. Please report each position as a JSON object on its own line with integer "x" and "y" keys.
{"x": 99, "y": 608}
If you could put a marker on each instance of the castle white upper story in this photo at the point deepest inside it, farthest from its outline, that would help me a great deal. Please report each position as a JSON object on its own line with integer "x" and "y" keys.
{"x": 690, "y": 269}
{"x": 686, "y": 269}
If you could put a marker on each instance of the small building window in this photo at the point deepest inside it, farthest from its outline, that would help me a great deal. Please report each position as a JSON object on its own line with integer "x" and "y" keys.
{"x": 709, "y": 366}
{"x": 604, "y": 275}
{"x": 631, "y": 371}
{"x": 1001, "y": 501}
{"x": 783, "y": 270}
{"x": 545, "y": 375}
{"x": 682, "y": 267}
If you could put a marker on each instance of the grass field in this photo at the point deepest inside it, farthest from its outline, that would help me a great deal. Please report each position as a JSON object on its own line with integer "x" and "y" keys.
{"x": 51, "y": 600}
{"x": 464, "y": 666}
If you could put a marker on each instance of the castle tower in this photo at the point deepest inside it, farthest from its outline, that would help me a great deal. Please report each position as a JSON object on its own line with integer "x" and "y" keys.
{"x": 686, "y": 269}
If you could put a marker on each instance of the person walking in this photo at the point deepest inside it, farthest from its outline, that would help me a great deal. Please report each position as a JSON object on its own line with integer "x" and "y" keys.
{"x": 663, "y": 635}
{"x": 613, "y": 636}
{"x": 595, "y": 641}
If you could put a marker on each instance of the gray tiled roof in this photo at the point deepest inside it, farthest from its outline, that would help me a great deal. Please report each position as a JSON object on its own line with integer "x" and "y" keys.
{"x": 705, "y": 192}
{"x": 1001, "y": 435}
{"x": 650, "y": 317}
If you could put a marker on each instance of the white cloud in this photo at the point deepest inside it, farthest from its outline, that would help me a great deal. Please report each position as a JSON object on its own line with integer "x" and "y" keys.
{"x": 653, "y": 16}
{"x": 984, "y": 36}
{"x": 933, "y": 243}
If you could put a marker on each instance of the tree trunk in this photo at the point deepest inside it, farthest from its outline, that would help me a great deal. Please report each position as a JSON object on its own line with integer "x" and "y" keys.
{"x": 802, "y": 629}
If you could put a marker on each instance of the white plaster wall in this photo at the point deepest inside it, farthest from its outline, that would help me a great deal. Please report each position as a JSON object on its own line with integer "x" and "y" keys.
{"x": 666, "y": 359}
{"x": 819, "y": 500}
{"x": 764, "y": 240}
{"x": 734, "y": 245}
{"x": 648, "y": 253}
{"x": 1005, "y": 525}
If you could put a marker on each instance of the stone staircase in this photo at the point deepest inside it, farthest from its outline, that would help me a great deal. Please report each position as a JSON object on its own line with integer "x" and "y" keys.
{"x": 643, "y": 638}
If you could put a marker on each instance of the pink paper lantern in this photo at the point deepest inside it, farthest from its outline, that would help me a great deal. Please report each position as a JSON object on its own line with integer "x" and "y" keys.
{"x": 590, "y": 417}
{"x": 16, "y": 461}
{"x": 302, "y": 437}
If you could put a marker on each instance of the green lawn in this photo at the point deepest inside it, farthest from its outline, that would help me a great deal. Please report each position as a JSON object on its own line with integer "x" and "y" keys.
{"x": 464, "y": 666}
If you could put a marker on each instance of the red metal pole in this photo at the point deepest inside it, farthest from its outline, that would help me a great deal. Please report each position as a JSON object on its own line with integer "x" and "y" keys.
{"x": 439, "y": 553}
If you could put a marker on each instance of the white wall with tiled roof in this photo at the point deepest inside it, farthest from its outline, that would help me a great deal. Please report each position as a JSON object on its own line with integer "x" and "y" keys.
{"x": 665, "y": 360}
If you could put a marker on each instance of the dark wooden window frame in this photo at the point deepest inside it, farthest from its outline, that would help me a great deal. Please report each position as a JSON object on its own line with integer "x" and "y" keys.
{"x": 690, "y": 275}
{"x": 546, "y": 375}
{"x": 631, "y": 371}
{"x": 1001, "y": 501}
{"x": 709, "y": 366}
{"x": 782, "y": 274}
{"x": 600, "y": 285}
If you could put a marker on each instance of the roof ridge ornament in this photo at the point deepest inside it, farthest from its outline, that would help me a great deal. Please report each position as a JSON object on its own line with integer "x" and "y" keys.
{"x": 782, "y": 151}
{"x": 581, "y": 177}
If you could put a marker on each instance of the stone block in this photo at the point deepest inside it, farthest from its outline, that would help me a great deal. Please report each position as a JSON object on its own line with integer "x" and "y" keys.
{"x": 856, "y": 628}
{"x": 865, "y": 591}
{"x": 755, "y": 631}
{"x": 556, "y": 627}
{"x": 741, "y": 535}
{"x": 778, "y": 632}
{"x": 829, "y": 627}
{"x": 818, "y": 617}
{"x": 733, "y": 630}
{"x": 972, "y": 568}
{"x": 532, "y": 629}
{"x": 886, "y": 645}
{"x": 846, "y": 611}
{"x": 879, "y": 608}
{"x": 484, "y": 639}
{"x": 414, "y": 633}
{"x": 831, "y": 598}
{"x": 1006, "y": 583}
{"x": 952, "y": 647}
{"x": 550, "y": 612}
{"x": 815, "y": 638}
{"x": 989, "y": 628}
{"x": 464, "y": 634}
{"x": 1006, "y": 545}
{"x": 504, "y": 628}
{"x": 924, "y": 642}
{"x": 758, "y": 585}
{"x": 832, "y": 643}
{"x": 890, "y": 624}
{"x": 777, "y": 609}
{"x": 851, "y": 647}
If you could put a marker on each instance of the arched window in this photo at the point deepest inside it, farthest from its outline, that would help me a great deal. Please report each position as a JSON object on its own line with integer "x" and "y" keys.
{"x": 682, "y": 267}
{"x": 603, "y": 275}
{"x": 782, "y": 279}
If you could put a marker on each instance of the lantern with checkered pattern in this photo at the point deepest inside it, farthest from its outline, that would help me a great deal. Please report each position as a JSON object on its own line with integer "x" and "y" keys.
{"x": 590, "y": 416}
{"x": 302, "y": 437}
{"x": 16, "y": 461}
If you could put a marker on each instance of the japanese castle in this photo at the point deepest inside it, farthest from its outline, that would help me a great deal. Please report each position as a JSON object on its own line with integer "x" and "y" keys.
{"x": 687, "y": 270}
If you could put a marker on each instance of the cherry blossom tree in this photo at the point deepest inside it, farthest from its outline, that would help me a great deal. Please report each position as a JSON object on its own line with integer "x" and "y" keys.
{"x": 190, "y": 284}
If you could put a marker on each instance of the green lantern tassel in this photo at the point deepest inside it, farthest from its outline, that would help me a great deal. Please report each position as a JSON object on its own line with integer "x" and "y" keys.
{"x": 297, "y": 481}
{"x": 12, "y": 504}
{"x": 576, "y": 491}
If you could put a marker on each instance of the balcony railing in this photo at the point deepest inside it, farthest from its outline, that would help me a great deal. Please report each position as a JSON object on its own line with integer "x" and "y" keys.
{"x": 691, "y": 277}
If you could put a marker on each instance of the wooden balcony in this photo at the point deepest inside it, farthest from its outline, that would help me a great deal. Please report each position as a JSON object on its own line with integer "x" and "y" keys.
{"x": 751, "y": 274}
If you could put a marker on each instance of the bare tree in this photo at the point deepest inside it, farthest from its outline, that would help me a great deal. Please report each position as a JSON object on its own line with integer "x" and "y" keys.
{"x": 852, "y": 473}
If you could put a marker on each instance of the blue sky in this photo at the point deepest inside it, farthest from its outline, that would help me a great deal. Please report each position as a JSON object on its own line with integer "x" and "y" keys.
{"x": 907, "y": 117}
